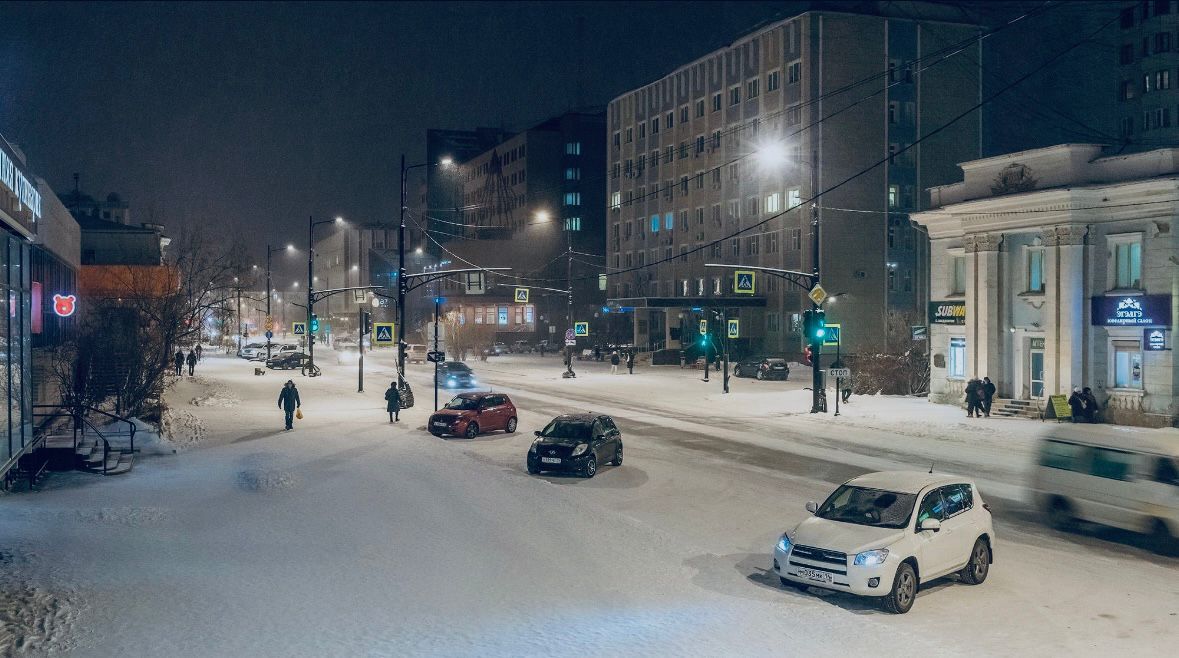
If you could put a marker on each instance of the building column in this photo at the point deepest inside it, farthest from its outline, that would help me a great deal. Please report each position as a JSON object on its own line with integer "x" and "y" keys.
{"x": 1064, "y": 310}
{"x": 984, "y": 326}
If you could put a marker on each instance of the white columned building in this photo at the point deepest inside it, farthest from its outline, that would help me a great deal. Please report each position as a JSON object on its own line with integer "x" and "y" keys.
{"x": 1058, "y": 268}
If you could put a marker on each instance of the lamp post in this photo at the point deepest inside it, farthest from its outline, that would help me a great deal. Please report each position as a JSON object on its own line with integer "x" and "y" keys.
{"x": 310, "y": 335}
{"x": 269, "y": 330}
{"x": 402, "y": 286}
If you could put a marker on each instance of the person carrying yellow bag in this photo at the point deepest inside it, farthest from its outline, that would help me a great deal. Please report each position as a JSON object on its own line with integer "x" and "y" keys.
{"x": 288, "y": 401}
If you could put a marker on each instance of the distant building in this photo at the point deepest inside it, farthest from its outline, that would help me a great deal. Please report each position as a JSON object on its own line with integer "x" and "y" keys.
{"x": 831, "y": 94}
{"x": 1053, "y": 269}
{"x": 441, "y": 200}
{"x": 1148, "y": 59}
{"x": 108, "y": 235}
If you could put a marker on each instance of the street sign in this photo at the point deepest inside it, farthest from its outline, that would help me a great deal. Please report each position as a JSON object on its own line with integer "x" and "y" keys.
{"x": 269, "y": 323}
{"x": 919, "y": 332}
{"x": 832, "y": 337}
{"x": 744, "y": 282}
{"x": 703, "y": 327}
{"x": 569, "y": 342}
{"x": 299, "y": 328}
{"x": 734, "y": 329}
{"x": 817, "y": 294}
{"x": 269, "y": 335}
{"x": 436, "y": 357}
{"x": 580, "y": 328}
{"x": 521, "y": 295}
{"x": 383, "y": 333}
{"x": 839, "y": 373}
{"x": 569, "y": 334}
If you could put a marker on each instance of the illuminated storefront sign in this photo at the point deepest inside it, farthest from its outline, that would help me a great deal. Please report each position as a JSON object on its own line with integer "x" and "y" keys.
{"x": 1136, "y": 311}
{"x": 947, "y": 312}
{"x": 25, "y": 191}
{"x": 64, "y": 305}
{"x": 1155, "y": 340}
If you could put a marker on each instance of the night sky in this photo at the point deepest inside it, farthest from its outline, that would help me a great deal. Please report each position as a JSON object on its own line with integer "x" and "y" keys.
{"x": 250, "y": 117}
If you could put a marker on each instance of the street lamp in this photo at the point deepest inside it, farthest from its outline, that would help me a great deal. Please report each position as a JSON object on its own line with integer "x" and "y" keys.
{"x": 311, "y": 224}
{"x": 402, "y": 286}
{"x": 290, "y": 248}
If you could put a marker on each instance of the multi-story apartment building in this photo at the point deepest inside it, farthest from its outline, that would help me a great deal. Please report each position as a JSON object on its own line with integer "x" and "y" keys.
{"x": 845, "y": 96}
{"x": 1148, "y": 58}
{"x": 531, "y": 203}
{"x": 441, "y": 200}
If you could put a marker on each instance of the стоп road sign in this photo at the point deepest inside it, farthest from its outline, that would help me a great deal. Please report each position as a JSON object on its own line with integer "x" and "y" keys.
{"x": 383, "y": 333}
{"x": 817, "y": 294}
{"x": 839, "y": 373}
{"x": 521, "y": 295}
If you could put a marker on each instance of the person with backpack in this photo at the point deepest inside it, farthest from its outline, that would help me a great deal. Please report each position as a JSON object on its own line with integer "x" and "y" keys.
{"x": 393, "y": 403}
{"x": 288, "y": 401}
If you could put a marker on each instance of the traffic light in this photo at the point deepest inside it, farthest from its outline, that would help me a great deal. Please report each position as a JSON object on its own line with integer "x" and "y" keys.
{"x": 311, "y": 339}
{"x": 314, "y": 323}
{"x": 366, "y": 322}
{"x": 814, "y": 325}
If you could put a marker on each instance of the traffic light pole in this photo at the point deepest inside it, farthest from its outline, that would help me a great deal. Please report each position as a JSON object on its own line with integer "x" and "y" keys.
{"x": 269, "y": 294}
{"x": 309, "y": 336}
{"x": 436, "y": 302}
{"x": 817, "y": 386}
{"x": 360, "y": 340}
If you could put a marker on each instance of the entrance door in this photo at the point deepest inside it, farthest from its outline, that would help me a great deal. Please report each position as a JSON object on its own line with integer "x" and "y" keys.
{"x": 1036, "y": 373}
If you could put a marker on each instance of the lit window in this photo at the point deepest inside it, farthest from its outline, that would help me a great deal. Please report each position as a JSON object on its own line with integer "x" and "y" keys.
{"x": 669, "y": 220}
{"x": 573, "y": 198}
{"x": 956, "y": 361}
{"x": 572, "y": 173}
{"x": 503, "y": 315}
{"x": 574, "y": 148}
{"x": 616, "y": 201}
{"x": 1127, "y": 364}
{"x": 774, "y": 202}
{"x": 894, "y": 193}
{"x": 1035, "y": 270}
{"x": 654, "y": 223}
{"x": 1127, "y": 254}
{"x": 572, "y": 223}
{"x": 793, "y": 198}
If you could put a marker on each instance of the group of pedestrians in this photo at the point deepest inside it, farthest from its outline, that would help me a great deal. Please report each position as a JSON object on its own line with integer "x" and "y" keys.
{"x": 980, "y": 393}
{"x": 616, "y": 360}
{"x": 1084, "y": 405}
{"x": 180, "y": 359}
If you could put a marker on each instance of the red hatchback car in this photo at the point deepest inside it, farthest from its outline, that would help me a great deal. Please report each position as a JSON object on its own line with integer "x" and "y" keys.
{"x": 470, "y": 414}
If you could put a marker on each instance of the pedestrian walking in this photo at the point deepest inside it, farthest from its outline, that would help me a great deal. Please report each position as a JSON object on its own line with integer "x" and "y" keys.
{"x": 197, "y": 349}
{"x": 1076, "y": 403}
{"x": 191, "y": 359}
{"x": 179, "y": 358}
{"x": 288, "y": 401}
{"x": 541, "y": 346}
{"x": 393, "y": 403}
{"x": 1091, "y": 405}
{"x": 988, "y": 390}
{"x": 614, "y": 361}
{"x": 597, "y": 353}
{"x": 630, "y": 362}
{"x": 972, "y": 398}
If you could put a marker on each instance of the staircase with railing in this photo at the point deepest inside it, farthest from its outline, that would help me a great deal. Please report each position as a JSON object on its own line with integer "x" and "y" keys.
{"x": 73, "y": 440}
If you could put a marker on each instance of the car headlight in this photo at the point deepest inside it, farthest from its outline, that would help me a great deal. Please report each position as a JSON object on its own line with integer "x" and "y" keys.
{"x": 784, "y": 543}
{"x": 474, "y": 381}
{"x": 534, "y": 444}
{"x": 580, "y": 449}
{"x": 871, "y": 558}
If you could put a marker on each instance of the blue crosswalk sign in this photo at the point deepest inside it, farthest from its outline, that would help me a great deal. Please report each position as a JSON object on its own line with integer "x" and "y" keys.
{"x": 744, "y": 282}
{"x": 384, "y": 333}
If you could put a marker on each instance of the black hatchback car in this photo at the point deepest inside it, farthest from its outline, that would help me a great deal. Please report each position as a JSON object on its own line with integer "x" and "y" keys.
{"x": 456, "y": 374}
{"x": 762, "y": 367}
{"x": 576, "y": 443}
{"x": 288, "y": 361}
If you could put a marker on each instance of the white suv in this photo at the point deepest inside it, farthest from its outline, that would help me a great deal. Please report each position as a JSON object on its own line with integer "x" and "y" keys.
{"x": 884, "y": 534}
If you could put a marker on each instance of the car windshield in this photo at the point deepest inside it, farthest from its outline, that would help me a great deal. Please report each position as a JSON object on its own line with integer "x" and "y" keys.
{"x": 566, "y": 429}
{"x": 463, "y": 403}
{"x": 864, "y": 506}
{"x": 458, "y": 367}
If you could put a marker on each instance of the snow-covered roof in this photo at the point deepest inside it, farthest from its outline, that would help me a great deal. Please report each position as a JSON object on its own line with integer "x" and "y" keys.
{"x": 904, "y": 481}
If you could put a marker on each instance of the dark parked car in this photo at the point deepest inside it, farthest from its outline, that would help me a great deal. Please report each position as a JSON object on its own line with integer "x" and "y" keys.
{"x": 289, "y": 361}
{"x": 470, "y": 414}
{"x": 456, "y": 374}
{"x": 576, "y": 443}
{"x": 762, "y": 367}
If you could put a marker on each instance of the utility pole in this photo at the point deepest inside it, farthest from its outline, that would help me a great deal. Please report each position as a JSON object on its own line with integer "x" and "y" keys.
{"x": 360, "y": 339}
{"x": 437, "y": 300}
{"x": 816, "y": 348}
{"x": 569, "y": 292}
{"x": 269, "y": 294}
{"x": 309, "y": 336}
{"x": 401, "y": 283}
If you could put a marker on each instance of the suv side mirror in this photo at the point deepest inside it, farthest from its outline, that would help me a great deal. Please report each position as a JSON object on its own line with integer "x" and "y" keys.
{"x": 931, "y": 524}
{"x": 537, "y": 432}
{"x": 812, "y": 506}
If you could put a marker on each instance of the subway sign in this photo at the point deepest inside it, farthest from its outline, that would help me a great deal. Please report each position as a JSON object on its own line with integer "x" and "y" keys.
{"x": 1132, "y": 311}
{"x": 947, "y": 312}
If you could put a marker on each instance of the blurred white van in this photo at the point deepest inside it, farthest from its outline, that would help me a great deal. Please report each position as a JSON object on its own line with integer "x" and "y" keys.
{"x": 1117, "y": 476}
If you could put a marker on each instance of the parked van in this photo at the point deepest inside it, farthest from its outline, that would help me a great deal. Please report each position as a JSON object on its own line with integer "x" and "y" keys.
{"x": 415, "y": 353}
{"x": 1121, "y": 477}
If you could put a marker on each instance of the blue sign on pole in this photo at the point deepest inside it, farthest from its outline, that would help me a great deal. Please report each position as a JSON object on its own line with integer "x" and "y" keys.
{"x": 269, "y": 335}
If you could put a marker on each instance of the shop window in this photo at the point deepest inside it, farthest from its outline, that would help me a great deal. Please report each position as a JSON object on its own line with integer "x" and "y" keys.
{"x": 956, "y": 361}
{"x": 1127, "y": 364}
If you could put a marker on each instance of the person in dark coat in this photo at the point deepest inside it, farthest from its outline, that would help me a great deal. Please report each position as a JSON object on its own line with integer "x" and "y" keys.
{"x": 393, "y": 403}
{"x": 288, "y": 401}
{"x": 1091, "y": 405}
{"x": 614, "y": 361}
{"x": 972, "y": 396}
{"x": 197, "y": 349}
{"x": 988, "y": 391}
{"x": 192, "y": 359}
{"x": 630, "y": 362}
{"x": 1076, "y": 403}
{"x": 179, "y": 358}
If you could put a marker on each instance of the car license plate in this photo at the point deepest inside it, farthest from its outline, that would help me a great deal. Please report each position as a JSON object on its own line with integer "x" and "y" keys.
{"x": 550, "y": 460}
{"x": 815, "y": 575}
{"x": 439, "y": 424}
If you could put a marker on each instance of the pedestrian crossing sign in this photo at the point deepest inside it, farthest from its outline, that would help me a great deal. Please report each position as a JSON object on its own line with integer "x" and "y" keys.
{"x": 704, "y": 327}
{"x": 383, "y": 333}
{"x": 580, "y": 328}
{"x": 734, "y": 329}
{"x": 744, "y": 282}
{"x": 832, "y": 337}
{"x": 521, "y": 295}
{"x": 299, "y": 328}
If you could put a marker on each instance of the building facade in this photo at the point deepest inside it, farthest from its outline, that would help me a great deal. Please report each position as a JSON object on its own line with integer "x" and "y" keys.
{"x": 1059, "y": 268}
{"x": 441, "y": 201}
{"x": 1148, "y": 63}
{"x": 836, "y": 94}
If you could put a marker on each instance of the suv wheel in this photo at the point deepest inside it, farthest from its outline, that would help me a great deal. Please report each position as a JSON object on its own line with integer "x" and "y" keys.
{"x": 472, "y": 430}
{"x": 591, "y": 467}
{"x": 533, "y": 469}
{"x": 979, "y": 564}
{"x": 904, "y": 590}
{"x": 1161, "y": 539}
{"x": 511, "y": 426}
{"x": 1060, "y": 514}
{"x": 617, "y": 457}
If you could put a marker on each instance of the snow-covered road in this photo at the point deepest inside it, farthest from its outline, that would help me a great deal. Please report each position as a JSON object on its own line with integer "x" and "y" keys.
{"x": 349, "y": 536}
